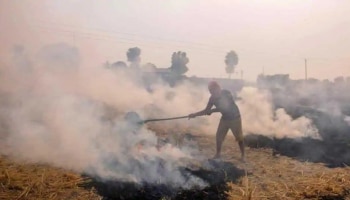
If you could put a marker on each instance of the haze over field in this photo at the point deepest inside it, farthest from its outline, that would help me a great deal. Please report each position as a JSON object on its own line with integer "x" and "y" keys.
{"x": 56, "y": 110}
{"x": 270, "y": 36}
{"x": 60, "y": 105}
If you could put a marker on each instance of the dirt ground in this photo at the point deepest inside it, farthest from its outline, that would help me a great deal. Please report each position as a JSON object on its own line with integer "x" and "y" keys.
{"x": 263, "y": 176}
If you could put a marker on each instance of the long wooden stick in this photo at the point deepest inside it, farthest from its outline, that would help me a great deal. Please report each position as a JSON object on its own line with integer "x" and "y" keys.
{"x": 162, "y": 119}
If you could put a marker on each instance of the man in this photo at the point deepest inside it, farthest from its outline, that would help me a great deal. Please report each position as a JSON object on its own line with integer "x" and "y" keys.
{"x": 231, "y": 118}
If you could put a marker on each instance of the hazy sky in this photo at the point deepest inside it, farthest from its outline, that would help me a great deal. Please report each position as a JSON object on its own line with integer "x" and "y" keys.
{"x": 274, "y": 35}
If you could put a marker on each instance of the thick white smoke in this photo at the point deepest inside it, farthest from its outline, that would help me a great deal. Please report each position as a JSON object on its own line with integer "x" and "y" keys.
{"x": 72, "y": 116}
{"x": 260, "y": 117}
{"x": 347, "y": 120}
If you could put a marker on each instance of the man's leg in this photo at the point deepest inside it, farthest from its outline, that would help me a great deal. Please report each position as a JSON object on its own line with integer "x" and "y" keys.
{"x": 236, "y": 128}
{"x": 241, "y": 147}
{"x": 220, "y": 136}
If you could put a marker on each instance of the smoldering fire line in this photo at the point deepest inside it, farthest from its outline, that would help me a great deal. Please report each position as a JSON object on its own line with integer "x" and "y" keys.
{"x": 62, "y": 122}
{"x": 72, "y": 117}
{"x": 79, "y": 140}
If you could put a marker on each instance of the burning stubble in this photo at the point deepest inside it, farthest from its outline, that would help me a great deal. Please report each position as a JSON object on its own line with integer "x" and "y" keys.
{"x": 57, "y": 115}
{"x": 260, "y": 116}
{"x": 71, "y": 116}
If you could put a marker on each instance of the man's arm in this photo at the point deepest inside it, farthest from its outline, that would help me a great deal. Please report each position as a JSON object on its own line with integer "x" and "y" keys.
{"x": 213, "y": 110}
{"x": 206, "y": 111}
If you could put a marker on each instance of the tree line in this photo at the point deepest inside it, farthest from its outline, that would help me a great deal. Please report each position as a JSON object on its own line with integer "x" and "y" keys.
{"x": 178, "y": 65}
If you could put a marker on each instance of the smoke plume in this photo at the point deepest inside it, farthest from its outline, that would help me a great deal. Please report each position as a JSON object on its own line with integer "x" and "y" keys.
{"x": 72, "y": 116}
{"x": 74, "y": 119}
{"x": 260, "y": 116}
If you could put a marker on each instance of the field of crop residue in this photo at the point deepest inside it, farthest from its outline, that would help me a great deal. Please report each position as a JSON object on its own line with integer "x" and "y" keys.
{"x": 263, "y": 176}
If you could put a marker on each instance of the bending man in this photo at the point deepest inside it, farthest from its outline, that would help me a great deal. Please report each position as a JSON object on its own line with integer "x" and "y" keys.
{"x": 230, "y": 120}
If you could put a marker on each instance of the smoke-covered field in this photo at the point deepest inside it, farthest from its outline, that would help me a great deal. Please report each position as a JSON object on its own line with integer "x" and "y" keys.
{"x": 57, "y": 113}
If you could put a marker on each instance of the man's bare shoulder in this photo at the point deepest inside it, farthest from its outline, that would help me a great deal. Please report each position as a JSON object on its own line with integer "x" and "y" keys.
{"x": 226, "y": 93}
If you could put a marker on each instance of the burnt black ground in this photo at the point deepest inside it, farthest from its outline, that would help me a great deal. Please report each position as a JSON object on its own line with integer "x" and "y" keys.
{"x": 331, "y": 153}
{"x": 333, "y": 148}
{"x": 224, "y": 172}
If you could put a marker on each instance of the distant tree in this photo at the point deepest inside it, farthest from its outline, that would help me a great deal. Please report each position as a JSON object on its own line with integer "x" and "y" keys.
{"x": 339, "y": 80}
{"x": 149, "y": 67}
{"x": 133, "y": 56}
{"x": 179, "y": 61}
{"x": 313, "y": 80}
{"x": 149, "y": 76}
{"x": 347, "y": 79}
{"x": 231, "y": 60}
{"x": 117, "y": 65}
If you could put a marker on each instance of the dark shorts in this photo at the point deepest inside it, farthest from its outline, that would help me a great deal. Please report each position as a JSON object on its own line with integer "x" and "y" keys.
{"x": 234, "y": 125}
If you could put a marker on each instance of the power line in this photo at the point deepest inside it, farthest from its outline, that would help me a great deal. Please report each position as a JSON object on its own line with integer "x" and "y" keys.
{"x": 126, "y": 36}
{"x": 101, "y": 37}
{"x": 150, "y": 37}
{"x": 74, "y": 33}
{"x": 135, "y": 39}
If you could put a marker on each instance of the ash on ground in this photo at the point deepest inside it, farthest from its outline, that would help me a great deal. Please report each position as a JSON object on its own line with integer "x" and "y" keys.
{"x": 214, "y": 172}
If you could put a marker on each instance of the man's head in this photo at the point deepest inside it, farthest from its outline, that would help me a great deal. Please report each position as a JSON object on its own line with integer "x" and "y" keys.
{"x": 214, "y": 88}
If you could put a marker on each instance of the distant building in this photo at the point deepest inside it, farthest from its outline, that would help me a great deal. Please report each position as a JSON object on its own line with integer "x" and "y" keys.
{"x": 172, "y": 79}
{"x": 273, "y": 81}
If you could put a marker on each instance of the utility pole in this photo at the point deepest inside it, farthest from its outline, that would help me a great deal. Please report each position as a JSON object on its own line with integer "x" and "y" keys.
{"x": 305, "y": 69}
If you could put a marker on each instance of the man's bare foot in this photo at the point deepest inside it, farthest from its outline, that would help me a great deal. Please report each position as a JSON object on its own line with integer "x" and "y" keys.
{"x": 216, "y": 157}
